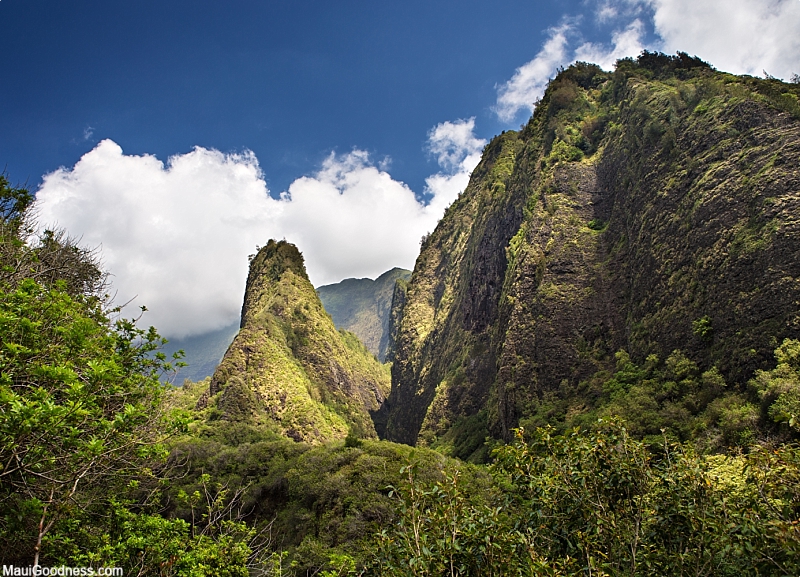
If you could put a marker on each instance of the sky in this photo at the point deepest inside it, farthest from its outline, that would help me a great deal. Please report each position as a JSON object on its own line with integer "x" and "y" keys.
{"x": 177, "y": 137}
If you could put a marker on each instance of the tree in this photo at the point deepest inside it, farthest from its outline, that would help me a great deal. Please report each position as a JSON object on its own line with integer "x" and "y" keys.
{"x": 79, "y": 407}
{"x": 78, "y": 395}
{"x": 779, "y": 388}
{"x": 81, "y": 419}
{"x": 602, "y": 503}
{"x": 47, "y": 256}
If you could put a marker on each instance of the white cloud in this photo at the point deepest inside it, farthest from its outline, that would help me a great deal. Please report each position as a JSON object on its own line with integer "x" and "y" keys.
{"x": 530, "y": 79}
{"x": 454, "y": 142}
{"x": 606, "y": 11}
{"x": 626, "y": 42}
{"x": 177, "y": 235}
{"x": 352, "y": 219}
{"x": 458, "y": 152}
{"x": 738, "y": 36}
{"x": 615, "y": 11}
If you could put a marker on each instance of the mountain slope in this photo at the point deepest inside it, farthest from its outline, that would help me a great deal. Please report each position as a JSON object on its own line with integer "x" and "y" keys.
{"x": 363, "y": 306}
{"x": 289, "y": 369}
{"x": 203, "y": 352}
{"x": 648, "y": 210}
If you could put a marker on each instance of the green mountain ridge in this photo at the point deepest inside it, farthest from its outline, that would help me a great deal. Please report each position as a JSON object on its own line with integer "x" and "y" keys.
{"x": 363, "y": 306}
{"x": 289, "y": 369}
{"x": 652, "y": 210}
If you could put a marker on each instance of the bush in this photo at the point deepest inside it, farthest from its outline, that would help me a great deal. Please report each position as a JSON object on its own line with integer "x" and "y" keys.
{"x": 563, "y": 152}
{"x": 601, "y": 503}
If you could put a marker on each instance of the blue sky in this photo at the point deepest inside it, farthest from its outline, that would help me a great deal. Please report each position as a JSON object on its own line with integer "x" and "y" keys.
{"x": 177, "y": 136}
{"x": 290, "y": 81}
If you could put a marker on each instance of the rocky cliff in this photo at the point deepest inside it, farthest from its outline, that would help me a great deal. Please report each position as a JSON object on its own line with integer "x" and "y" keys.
{"x": 288, "y": 368}
{"x": 650, "y": 210}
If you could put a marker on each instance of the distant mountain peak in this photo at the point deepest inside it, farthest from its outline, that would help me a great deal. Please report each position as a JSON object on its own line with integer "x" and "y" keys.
{"x": 364, "y": 307}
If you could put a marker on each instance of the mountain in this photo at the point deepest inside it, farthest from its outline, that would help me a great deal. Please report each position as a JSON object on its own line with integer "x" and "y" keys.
{"x": 203, "y": 352}
{"x": 363, "y": 306}
{"x": 289, "y": 369}
{"x": 634, "y": 246}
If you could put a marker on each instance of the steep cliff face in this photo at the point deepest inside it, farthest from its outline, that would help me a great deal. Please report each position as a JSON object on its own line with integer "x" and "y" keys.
{"x": 443, "y": 347}
{"x": 289, "y": 369}
{"x": 363, "y": 306}
{"x": 651, "y": 209}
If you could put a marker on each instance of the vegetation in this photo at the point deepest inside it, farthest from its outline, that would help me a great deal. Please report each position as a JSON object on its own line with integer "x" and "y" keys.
{"x": 317, "y": 507}
{"x": 602, "y": 503}
{"x": 80, "y": 418}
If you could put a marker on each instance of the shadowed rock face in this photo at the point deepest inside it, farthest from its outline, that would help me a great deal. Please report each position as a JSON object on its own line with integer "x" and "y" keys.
{"x": 630, "y": 206}
{"x": 289, "y": 368}
{"x": 364, "y": 306}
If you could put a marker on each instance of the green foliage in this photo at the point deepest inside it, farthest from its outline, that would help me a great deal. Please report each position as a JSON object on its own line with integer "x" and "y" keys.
{"x": 702, "y": 328}
{"x": 443, "y": 530}
{"x": 600, "y": 503}
{"x": 585, "y": 75}
{"x": 276, "y": 258}
{"x": 147, "y": 544}
{"x": 352, "y": 440}
{"x": 663, "y": 66}
{"x": 597, "y": 224}
{"x": 672, "y": 395}
{"x": 321, "y": 505}
{"x": 14, "y": 202}
{"x": 779, "y": 388}
{"x": 782, "y": 96}
{"x": 563, "y": 152}
{"x": 80, "y": 405}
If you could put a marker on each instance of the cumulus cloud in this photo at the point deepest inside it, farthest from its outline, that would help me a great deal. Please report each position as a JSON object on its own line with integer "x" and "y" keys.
{"x": 176, "y": 236}
{"x": 455, "y": 143}
{"x": 738, "y": 36}
{"x": 352, "y": 219}
{"x": 458, "y": 151}
{"x": 530, "y": 79}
